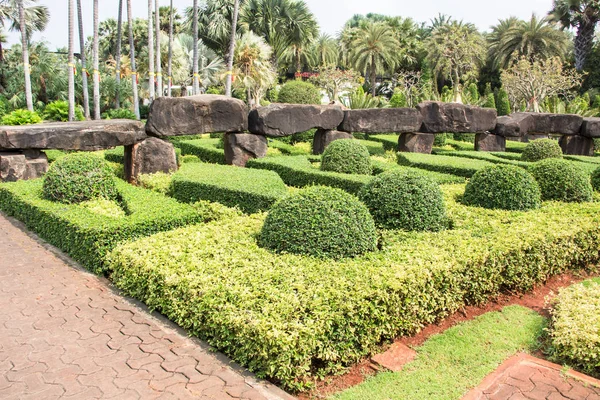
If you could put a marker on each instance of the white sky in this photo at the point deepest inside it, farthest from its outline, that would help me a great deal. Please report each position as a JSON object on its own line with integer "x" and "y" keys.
{"x": 331, "y": 14}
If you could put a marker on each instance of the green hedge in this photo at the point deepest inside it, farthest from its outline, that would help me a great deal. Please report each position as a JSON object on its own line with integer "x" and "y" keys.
{"x": 205, "y": 149}
{"x": 292, "y": 318}
{"x": 86, "y": 236}
{"x": 286, "y": 148}
{"x": 465, "y": 167}
{"x": 250, "y": 190}
{"x": 480, "y": 155}
{"x": 380, "y": 167}
{"x": 390, "y": 142}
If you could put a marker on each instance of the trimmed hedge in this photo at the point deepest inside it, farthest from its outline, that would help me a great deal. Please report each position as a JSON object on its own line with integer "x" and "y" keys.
{"x": 347, "y": 156}
{"x": 380, "y": 166}
{"x": 286, "y": 148}
{"x": 560, "y": 180}
{"x": 207, "y": 150}
{"x": 299, "y": 92}
{"x": 250, "y": 190}
{"x": 375, "y": 149}
{"x": 294, "y": 318}
{"x": 465, "y": 167}
{"x": 596, "y": 179}
{"x": 87, "y": 236}
{"x": 319, "y": 221}
{"x": 480, "y": 155}
{"x": 504, "y": 187}
{"x": 541, "y": 149}
{"x": 389, "y": 142}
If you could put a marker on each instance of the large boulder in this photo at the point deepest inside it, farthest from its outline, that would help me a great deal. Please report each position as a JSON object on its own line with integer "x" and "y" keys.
{"x": 277, "y": 120}
{"x": 564, "y": 124}
{"x": 84, "y": 135}
{"x": 490, "y": 142}
{"x": 577, "y": 145}
{"x": 591, "y": 127}
{"x": 516, "y": 125}
{"x": 456, "y": 118}
{"x": 148, "y": 157}
{"x": 241, "y": 147}
{"x": 207, "y": 113}
{"x": 18, "y": 165}
{"x": 324, "y": 137}
{"x": 416, "y": 143}
{"x": 382, "y": 120}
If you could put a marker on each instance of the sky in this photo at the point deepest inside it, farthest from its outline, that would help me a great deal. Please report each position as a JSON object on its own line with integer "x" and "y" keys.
{"x": 331, "y": 14}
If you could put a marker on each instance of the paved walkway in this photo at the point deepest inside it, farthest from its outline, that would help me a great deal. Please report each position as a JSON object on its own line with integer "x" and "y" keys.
{"x": 64, "y": 333}
{"x": 524, "y": 377}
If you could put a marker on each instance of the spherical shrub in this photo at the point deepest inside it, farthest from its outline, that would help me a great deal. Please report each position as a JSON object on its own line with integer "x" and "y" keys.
{"x": 299, "y": 92}
{"x": 347, "y": 156}
{"x": 504, "y": 187}
{"x": 405, "y": 200}
{"x": 79, "y": 177}
{"x": 319, "y": 221}
{"x": 596, "y": 179}
{"x": 560, "y": 180}
{"x": 541, "y": 149}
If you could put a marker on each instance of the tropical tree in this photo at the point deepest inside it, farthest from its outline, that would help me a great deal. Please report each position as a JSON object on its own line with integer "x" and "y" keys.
{"x": 71, "y": 64}
{"x": 253, "y": 67}
{"x": 36, "y": 17}
{"x": 229, "y": 77}
{"x": 324, "y": 51}
{"x": 170, "y": 62}
{"x": 118, "y": 56}
{"x": 96, "y": 64}
{"x": 165, "y": 20}
{"x": 335, "y": 81}
{"x": 195, "y": 79}
{"x": 151, "y": 51}
{"x": 134, "y": 76}
{"x": 84, "y": 76}
{"x": 159, "y": 81}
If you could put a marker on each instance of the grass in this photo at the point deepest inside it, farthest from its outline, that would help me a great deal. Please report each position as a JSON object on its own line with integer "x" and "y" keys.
{"x": 450, "y": 364}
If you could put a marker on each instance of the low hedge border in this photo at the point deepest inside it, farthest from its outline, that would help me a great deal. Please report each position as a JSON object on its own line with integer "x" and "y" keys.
{"x": 380, "y": 166}
{"x": 465, "y": 167}
{"x": 480, "y": 155}
{"x": 205, "y": 149}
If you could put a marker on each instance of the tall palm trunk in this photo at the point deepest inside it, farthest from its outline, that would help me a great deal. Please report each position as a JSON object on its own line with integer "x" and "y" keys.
{"x": 196, "y": 81}
{"x": 26, "y": 66}
{"x": 373, "y": 77}
{"x": 170, "y": 71}
{"x": 229, "y": 78}
{"x": 84, "y": 78}
{"x": 71, "y": 61}
{"x": 159, "y": 80}
{"x": 134, "y": 75}
{"x": 96, "y": 65}
{"x": 118, "y": 55}
{"x": 150, "y": 52}
{"x": 584, "y": 41}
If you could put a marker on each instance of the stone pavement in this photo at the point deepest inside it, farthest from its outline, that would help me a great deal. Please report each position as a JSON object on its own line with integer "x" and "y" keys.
{"x": 64, "y": 333}
{"x": 524, "y": 377}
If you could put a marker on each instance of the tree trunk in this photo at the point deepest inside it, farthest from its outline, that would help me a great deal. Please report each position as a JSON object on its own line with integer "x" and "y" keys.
{"x": 373, "y": 77}
{"x": 118, "y": 55}
{"x": 86, "y": 93}
{"x": 170, "y": 71}
{"x": 71, "y": 62}
{"x": 26, "y": 66}
{"x": 159, "y": 80}
{"x": 298, "y": 62}
{"x": 196, "y": 83}
{"x": 150, "y": 52}
{"x": 96, "y": 64}
{"x": 229, "y": 77}
{"x": 583, "y": 43}
{"x": 134, "y": 76}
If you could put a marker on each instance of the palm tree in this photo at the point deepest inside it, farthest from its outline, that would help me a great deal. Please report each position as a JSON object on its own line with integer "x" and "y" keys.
{"x": 36, "y": 17}
{"x": 86, "y": 94}
{"x": 170, "y": 67}
{"x": 71, "y": 64}
{"x": 229, "y": 78}
{"x": 324, "y": 51}
{"x": 195, "y": 80}
{"x": 583, "y": 15}
{"x": 96, "y": 65}
{"x": 373, "y": 51}
{"x": 150, "y": 52}
{"x": 252, "y": 65}
{"x": 159, "y": 82}
{"x": 136, "y": 101}
{"x": 118, "y": 56}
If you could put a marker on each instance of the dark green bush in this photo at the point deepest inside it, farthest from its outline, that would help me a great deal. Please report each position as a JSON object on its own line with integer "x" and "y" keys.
{"x": 560, "y": 180}
{"x": 299, "y": 92}
{"x": 503, "y": 187}
{"x": 401, "y": 199}
{"x": 347, "y": 156}
{"x": 207, "y": 150}
{"x": 79, "y": 177}
{"x": 464, "y": 137}
{"x": 459, "y": 166}
{"x": 541, "y": 149}
{"x": 319, "y": 221}
{"x": 121, "y": 113}
{"x": 440, "y": 140}
{"x": 59, "y": 111}
{"x": 21, "y": 117}
{"x": 596, "y": 179}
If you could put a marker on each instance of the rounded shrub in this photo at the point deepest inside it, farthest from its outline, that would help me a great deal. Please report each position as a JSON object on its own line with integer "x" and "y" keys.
{"x": 408, "y": 200}
{"x": 541, "y": 149}
{"x": 299, "y": 92}
{"x": 504, "y": 187}
{"x": 560, "y": 180}
{"x": 79, "y": 177}
{"x": 21, "y": 117}
{"x": 347, "y": 156}
{"x": 596, "y": 179}
{"x": 319, "y": 221}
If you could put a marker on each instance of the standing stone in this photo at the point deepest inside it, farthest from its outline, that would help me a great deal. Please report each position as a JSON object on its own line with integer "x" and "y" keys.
{"x": 490, "y": 142}
{"x": 516, "y": 125}
{"x": 206, "y": 113}
{"x": 416, "y": 143}
{"x": 278, "y": 120}
{"x": 591, "y": 127}
{"x": 382, "y": 120}
{"x": 241, "y": 147}
{"x": 441, "y": 117}
{"x": 323, "y": 138}
{"x": 148, "y": 157}
{"x": 577, "y": 145}
{"x": 564, "y": 124}
{"x": 13, "y": 167}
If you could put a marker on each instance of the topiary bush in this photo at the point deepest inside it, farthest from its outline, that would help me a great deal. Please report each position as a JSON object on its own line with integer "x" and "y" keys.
{"x": 319, "y": 221}
{"x": 347, "y": 156}
{"x": 504, "y": 187}
{"x": 59, "y": 111}
{"x": 120, "y": 113}
{"x": 596, "y": 179}
{"x": 299, "y": 92}
{"x": 79, "y": 177}
{"x": 541, "y": 149}
{"x": 405, "y": 199}
{"x": 560, "y": 180}
{"x": 21, "y": 117}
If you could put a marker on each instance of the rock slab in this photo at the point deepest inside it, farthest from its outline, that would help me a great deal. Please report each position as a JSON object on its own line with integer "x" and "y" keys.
{"x": 83, "y": 136}
{"x": 416, "y": 143}
{"x": 16, "y": 166}
{"x": 441, "y": 117}
{"x": 516, "y": 125}
{"x": 490, "y": 142}
{"x": 278, "y": 120}
{"x": 241, "y": 147}
{"x": 323, "y": 138}
{"x": 207, "y": 113}
{"x": 591, "y": 127}
{"x": 577, "y": 145}
{"x": 544, "y": 123}
{"x": 148, "y": 157}
{"x": 382, "y": 120}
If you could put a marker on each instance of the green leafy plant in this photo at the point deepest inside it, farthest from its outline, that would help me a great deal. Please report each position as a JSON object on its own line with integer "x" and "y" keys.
{"x": 120, "y": 113}
{"x": 299, "y": 92}
{"x": 541, "y": 149}
{"x": 560, "y": 180}
{"x": 21, "y": 117}
{"x": 59, "y": 111}
{"x": 596, "y": 179}
{"x": 347, "y": 156}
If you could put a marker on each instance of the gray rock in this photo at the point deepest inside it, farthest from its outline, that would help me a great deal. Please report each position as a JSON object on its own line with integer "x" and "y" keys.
{"x": 516, "y": 125}
{"x": 241, "y": 147}
{"x": 148, "y": 157}
{"x": 591, "y": 127}
{"x": 577, "y": 145}
{"x": 382, "y": 120}
{"x": 416, "y": 143}
{"x": 207, "y": 113}
{"x": 456, "y": 118}
{"x": 531, "y": 137}
{"x": 84, "y": 135}
{"x": 490, "y": 142}
{"x": 277, "y": 120}
{"x": 564, "y": 124}
{"x": 323, "y": 138}
{"x": 13, "y": 167}
{"x": 36, "y": 167}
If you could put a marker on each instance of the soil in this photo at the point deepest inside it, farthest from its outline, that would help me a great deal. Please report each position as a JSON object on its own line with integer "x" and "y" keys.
{"x": 536, "y": 300}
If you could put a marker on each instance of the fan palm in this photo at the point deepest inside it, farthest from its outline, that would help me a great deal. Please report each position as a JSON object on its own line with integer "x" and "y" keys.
{"x": 253, "y": 67}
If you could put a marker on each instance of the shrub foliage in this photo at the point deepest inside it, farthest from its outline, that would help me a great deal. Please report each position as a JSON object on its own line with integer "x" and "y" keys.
{"x": 596, "y": 179}
{"x": 347, "y": 156}
{"x": 59, "y": 111}
{"x": 299, "y": 92}
{"x": 21, "y": 117}
{"x": 560, "y": 180}
{"x": 541, "y": 149}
